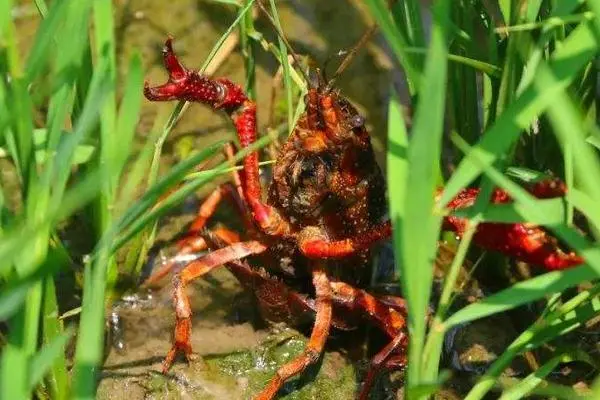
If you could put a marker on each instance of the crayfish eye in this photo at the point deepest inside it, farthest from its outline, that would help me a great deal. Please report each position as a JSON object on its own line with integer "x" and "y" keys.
{"x": 357, "y": 121}
{"x": 308, "y": 170}
{"x": 302, "y": 173}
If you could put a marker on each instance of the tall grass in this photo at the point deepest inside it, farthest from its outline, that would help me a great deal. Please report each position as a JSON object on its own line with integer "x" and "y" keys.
{"x": 532, "y": 106}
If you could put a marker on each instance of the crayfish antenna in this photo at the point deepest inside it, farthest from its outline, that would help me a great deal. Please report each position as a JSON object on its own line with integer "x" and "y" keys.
{"x": 284, "y": 39}
{"x": 349, "y": 56}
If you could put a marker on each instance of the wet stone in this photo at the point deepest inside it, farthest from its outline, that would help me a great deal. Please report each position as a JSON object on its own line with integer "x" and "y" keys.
{"x": 474, "y": 346}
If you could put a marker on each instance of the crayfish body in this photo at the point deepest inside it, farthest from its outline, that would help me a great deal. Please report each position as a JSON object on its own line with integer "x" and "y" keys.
{"x": 314, "y": 234}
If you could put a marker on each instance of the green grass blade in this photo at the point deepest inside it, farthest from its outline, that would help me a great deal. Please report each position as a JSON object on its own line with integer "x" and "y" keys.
{"x": 73, "y": 43}
{"x": 176, "y": 175}
{"x": 594, "y": 6}
{"x": 213, "y": 52}
{"x": 522, "y": 293}
{"x": 14, "y": 367}
{"x": 45, "y": 40}
{"x": 527, "y": 338}
{"x": 43, "y": 360}
{"x": 287, "y": 80}
{"x": 477, "y": 65}
{"x": 166, "y": 205}
{"x": 413, "y": 23}
{"x": 143, "y": 163}
{"x": 229, "y": 2}
{"x": 569, "y": 320}
{"x": 129, "y": 112}
{"x": 42, "y": 7}
{"x": 135, "y": 219}
{"x": 247, "y": 47}
{"x": 552, "y": 212}
{"x": 110, "y": 140}
{"x": 90, "y": 114}
{"x": 15, "y": 375}
{"x": 397, "y": 42}
{"x": 548, "y": 390}
{"x": 397, "y": 167}
{"x": 569, "y": 128}
{"x": 12, "y": 299}
{"x": 90, "y": 346}
{"x": 420, "y": 228}
{"x": 58, "y": 377}
{"x": 586, "y": 205}
{"x": 145, "y": 167}
{"x": 18, "y": 238}
{"x": 23, "y": 336}
{"x": 106, "y": 61}
{"x": 6, "y": 8}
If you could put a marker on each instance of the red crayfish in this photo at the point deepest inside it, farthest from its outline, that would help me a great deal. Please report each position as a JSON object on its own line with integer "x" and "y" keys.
{"x": 315, "y": 232}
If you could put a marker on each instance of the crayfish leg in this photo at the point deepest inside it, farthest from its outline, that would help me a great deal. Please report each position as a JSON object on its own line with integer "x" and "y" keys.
{"x": 524, "y": 241}
{"x": 387, "y": 313}
{"x": 189, "y": 245}
{"x": 528, "y": 243}
{"x": 313, "y": 242}
{"x": 196, "y": 269}
{"x": 388, "y": 317}
{"x": 193, "y": 242}
{"x": 386, "y": 358}
{"x": 316, "y": 343}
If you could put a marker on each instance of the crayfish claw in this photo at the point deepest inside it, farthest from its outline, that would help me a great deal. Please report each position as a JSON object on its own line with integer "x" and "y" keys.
{"x": 560, "y": 260}
{"x": 177, "y": 72}
{"x": 168, "y": 91}
{"x": 177, "y": 85}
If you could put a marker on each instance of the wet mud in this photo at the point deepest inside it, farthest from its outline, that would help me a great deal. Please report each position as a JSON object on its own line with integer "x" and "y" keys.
{"x": 237, "y": 354}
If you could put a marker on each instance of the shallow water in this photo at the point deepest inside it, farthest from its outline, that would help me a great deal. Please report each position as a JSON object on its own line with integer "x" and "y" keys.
{"x": 238, "y": 356}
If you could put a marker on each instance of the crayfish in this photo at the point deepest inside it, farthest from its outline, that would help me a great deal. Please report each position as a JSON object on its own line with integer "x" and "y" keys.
{"x": 314, "y": 234}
